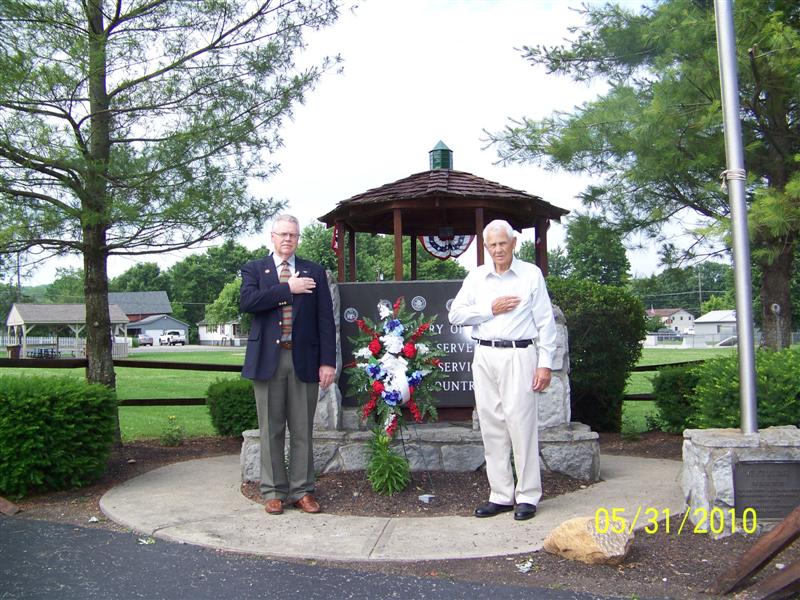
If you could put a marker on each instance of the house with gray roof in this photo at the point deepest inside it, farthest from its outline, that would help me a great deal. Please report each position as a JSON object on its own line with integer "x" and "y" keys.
{"x": 716, "y": 322}
{"x": 139, "y": 305}
{"x": 157, "y": 325}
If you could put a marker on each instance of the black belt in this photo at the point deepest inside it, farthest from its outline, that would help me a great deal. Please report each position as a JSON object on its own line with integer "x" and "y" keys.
{"x": 505, "y": 343}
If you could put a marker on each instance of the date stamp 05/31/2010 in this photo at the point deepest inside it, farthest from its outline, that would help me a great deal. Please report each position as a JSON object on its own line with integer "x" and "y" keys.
{"x": 714, "y": 521}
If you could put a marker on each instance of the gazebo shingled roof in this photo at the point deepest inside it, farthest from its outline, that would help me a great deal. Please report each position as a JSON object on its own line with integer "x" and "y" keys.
{"x": 440, "y": 198}
{"x": 440, "y": 202}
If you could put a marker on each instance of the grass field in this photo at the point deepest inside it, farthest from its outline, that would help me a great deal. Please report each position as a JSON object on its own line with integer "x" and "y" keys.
{"x": 139, "y": 422}
{"x": 146, "y": 422}
{"x": 642, "y": 383}
{"x": 635, "y": 413}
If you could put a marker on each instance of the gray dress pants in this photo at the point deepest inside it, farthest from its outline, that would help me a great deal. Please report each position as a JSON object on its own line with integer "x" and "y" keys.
{"x": 282, "y": 400}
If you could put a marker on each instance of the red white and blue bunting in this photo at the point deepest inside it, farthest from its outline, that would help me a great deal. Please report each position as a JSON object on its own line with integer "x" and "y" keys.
{"x": 444, "y": 248}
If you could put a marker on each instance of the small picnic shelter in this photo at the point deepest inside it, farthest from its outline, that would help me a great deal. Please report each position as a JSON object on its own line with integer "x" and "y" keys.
{"x": 50, "y": 318}
{"x": 439, "y": 204}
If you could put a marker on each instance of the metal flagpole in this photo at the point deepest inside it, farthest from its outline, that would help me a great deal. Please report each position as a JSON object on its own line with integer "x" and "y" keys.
{"x": 734, "y": 176}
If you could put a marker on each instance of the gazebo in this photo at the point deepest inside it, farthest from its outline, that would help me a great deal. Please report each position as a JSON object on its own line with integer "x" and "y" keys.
{"x": 24, "y": 317}
{"x": 440, "y": 202}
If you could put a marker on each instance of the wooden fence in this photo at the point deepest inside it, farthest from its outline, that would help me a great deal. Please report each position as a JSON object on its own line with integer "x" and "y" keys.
{"x": 81, "y": 363}
{"x": 78, "y": 363}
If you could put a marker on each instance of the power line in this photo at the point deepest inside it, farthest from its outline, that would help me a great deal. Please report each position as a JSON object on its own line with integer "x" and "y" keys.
{"x": 679, "y": 293}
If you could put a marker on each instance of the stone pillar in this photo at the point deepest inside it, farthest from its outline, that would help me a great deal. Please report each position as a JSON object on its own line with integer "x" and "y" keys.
{"x": 554, "y": 406}
{"x": 329, "y": 405}
{"x": 709, "y": 457}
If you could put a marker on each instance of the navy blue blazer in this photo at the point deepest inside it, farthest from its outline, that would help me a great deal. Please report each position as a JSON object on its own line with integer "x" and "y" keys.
{"x": 313, "y": 329}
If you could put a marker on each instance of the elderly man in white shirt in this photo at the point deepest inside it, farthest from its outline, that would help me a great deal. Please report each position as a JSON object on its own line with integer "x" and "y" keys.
{"x": 513, "y": 326}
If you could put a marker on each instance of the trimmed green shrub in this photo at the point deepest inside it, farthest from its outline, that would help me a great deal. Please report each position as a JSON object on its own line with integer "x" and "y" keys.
{"x": 232, "y": 406}
{"x": 777, "y": 384}
{"x": 673, "y": 388}
{"x": 606, "y": 325}
{"x": 55, "y": 433}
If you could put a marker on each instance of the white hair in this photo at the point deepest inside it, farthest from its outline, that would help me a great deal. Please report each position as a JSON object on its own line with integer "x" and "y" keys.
{"x": 286, "y": 218}
{"x": 499, "y": 225}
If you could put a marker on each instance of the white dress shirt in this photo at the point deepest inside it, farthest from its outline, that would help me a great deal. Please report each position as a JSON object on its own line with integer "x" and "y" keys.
{"x": 532, "y": 319}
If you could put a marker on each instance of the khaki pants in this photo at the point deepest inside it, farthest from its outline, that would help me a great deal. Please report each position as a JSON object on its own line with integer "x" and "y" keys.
{"x": 282, "y": 400}
{"x": 508, "y": 413}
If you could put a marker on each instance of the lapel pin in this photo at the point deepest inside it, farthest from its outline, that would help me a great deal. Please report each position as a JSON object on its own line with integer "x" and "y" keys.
{"x": 267, "y": 271}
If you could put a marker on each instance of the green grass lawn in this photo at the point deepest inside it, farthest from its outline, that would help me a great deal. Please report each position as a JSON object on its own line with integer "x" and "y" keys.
{"x": 642, "y": 383}
{"x": 168, "y": 383}
{"x": 635, "y": 413}
{"x": 157, "y": 383}
{"x": 147, "y": 422}
{"x": 634, "y": 416}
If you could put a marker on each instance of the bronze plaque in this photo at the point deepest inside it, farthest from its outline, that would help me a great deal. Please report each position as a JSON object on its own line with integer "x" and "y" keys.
{"x": 771, "y": 488}
{"x": 431, "y": 298}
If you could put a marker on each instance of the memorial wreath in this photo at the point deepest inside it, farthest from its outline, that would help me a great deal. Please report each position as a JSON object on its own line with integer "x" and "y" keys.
{"x": 395, "y": 371}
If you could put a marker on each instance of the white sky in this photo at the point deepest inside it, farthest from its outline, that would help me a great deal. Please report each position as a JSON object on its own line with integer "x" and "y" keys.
{"x": 416, "y": 72}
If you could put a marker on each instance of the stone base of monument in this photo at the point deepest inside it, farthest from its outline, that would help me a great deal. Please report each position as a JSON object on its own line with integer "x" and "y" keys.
{"x": 573, "y": 450}
{"x": 724, "y": 467}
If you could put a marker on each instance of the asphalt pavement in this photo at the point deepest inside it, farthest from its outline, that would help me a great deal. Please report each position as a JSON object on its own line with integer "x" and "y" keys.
{"x": 42, "y": 560}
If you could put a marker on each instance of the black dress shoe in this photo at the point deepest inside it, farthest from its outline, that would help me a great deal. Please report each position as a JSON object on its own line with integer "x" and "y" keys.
{"x": 491, "y": 509}
{"x": 524, "y": 511}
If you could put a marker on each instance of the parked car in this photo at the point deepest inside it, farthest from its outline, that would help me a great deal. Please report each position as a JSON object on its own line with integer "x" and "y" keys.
{"x": 665, "y": 333}
{"x": 172, "y": 337}
{"x": 144, "y": 340}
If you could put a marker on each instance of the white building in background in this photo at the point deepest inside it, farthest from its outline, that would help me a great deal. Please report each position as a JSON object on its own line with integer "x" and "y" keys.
{"x": 716, "y": 322}
{"x": 677, "y": 319}
{"x": 224, "y": 334}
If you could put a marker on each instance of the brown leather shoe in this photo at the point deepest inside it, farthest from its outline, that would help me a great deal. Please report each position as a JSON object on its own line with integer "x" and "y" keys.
{"x": 274, "y": 506}
{"x": 308, "y": 504}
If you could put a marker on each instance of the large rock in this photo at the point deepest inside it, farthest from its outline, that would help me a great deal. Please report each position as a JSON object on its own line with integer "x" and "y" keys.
{"x": 578, "y": 539}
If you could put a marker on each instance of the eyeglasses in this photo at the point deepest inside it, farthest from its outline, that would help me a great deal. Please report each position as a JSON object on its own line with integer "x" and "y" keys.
{"x": 286, "y": 235}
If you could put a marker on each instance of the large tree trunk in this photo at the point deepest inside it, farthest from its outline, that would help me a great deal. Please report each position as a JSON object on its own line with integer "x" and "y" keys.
{"x": 97, "y": 208}
{"x": 100, "y": 367}
{"x": 776, "y": 301}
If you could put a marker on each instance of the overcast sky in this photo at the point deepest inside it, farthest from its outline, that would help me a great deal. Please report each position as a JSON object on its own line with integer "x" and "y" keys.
{"x": 416, "y": 72}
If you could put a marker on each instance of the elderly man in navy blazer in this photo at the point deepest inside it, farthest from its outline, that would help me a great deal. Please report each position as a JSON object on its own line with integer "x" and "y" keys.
{"x": 291, "y": 354}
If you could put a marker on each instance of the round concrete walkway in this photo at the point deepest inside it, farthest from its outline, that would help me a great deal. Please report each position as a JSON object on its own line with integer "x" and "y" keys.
{"x": 199, "y": 502}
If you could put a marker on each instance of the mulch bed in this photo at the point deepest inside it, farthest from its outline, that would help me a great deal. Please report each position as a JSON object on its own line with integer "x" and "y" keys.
{"x": 349, "y": 493}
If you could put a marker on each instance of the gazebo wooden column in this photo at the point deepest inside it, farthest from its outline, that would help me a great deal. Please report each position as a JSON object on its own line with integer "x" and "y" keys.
{"x": 398, "y": 244}
{"x": 479, "y": 225}
{"x": 351, "y": 252}
{"x": 339, "y": 233}
{"x": 540, "y": 244}
{"x": 413, "y": 258}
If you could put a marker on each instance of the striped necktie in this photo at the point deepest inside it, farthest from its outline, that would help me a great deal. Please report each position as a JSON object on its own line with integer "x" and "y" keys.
{"x": 286, "y": 309}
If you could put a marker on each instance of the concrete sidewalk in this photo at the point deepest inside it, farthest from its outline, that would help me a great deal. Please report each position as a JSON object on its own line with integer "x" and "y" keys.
{"x": 199, "y": 502}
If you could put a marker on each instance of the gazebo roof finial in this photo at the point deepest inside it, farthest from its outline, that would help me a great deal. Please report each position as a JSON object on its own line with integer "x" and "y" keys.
{"x": 441, "y": 157}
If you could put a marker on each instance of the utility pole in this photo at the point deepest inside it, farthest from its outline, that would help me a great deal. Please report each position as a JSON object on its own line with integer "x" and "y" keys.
{"x": 699, "y": 291}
